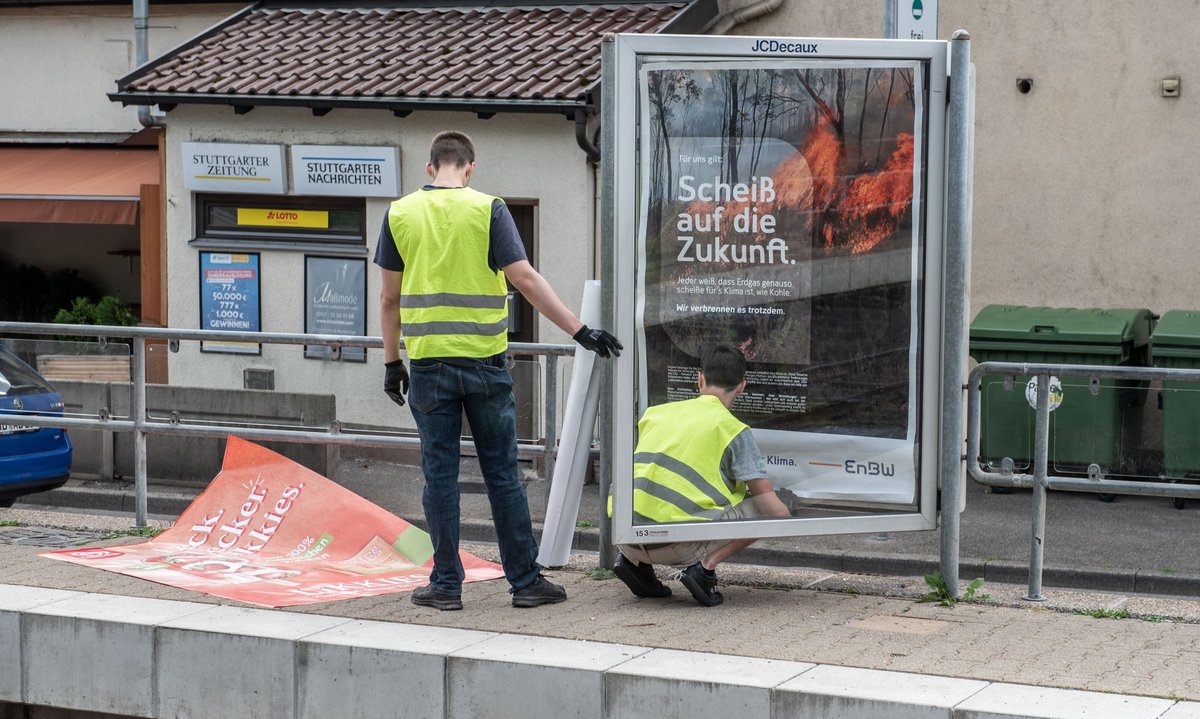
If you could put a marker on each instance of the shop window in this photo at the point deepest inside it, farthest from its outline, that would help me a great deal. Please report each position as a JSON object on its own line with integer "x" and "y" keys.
{"x": 301, "y": 223}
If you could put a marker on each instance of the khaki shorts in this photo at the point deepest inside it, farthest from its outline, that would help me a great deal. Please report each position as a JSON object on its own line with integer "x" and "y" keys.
{"x": 684, "y": 554}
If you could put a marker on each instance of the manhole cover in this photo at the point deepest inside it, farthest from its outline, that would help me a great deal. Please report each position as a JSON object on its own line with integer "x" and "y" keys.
{"x": 47, "y": 536}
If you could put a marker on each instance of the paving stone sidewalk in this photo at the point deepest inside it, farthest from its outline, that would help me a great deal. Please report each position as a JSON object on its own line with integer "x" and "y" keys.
{"x": 1079, "y": 640}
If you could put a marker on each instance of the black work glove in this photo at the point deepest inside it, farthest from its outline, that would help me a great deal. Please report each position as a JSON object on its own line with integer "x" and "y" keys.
{"x": 598, "y": 341}
{"x": 395, "y": 381}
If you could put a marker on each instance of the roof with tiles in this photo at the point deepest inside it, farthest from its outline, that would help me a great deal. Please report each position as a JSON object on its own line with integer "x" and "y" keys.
{"x": 533, "y": 57}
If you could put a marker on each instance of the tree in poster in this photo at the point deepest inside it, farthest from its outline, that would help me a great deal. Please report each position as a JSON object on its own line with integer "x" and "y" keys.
{"x": 666, "y": 90}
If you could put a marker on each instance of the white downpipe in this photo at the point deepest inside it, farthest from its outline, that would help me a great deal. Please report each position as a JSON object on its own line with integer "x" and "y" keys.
{"x": 725, "y": 22}
{"x": 141, "y": 53}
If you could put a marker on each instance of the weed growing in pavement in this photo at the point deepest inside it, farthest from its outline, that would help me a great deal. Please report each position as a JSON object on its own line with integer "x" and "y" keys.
{"x": 584, "y": 524}
{"x": 600, "y": 574}
{"x": 135, "y": 532}
{"x": 1104, "y": 613}
{"x": 1168, "y": 570}
{"x": 1154, "y": 618}
{"x": 10, "y": 523}
{"x": 851, "y": 589}
{"x": 940, "y": 593}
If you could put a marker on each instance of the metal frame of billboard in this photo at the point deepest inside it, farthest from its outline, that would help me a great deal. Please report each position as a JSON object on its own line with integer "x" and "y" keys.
{"x": 621, "y": 115}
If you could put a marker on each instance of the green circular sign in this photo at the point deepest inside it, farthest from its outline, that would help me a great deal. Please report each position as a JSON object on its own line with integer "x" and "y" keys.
{"x": 918, "y": 9}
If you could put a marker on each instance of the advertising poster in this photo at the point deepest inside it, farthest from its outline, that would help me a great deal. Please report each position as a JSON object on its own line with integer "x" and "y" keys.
{"x": 229, "y": 299}
{"x": 778, "y": 212}
{"x": 335, "y": 303}
{"x": 273, "y": 533}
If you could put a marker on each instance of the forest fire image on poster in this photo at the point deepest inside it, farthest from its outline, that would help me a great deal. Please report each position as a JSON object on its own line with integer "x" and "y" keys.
{"x": 779, "y": 207}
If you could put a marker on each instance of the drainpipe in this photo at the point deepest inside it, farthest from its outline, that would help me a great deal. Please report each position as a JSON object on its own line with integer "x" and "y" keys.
{"x": 141, "y": 43}
{"x": 726, "y": 21}
{"x": 581, "y": 136}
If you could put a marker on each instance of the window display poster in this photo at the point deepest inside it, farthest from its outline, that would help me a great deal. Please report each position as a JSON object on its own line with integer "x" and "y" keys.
{"x": 335, "y": 291}
{"x": 230, "y": 299}
{"x": 779, "y": 213}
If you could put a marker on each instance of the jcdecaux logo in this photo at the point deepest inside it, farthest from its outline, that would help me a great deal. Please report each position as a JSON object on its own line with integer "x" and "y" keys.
{"x": 804, "y": 48}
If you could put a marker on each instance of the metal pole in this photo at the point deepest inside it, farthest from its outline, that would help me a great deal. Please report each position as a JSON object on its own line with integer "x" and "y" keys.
{"x": 1041, "y": 446}
{"x": 608, "y": 133}
{"x": 139, "y": 434}
{"x": 551, "y": 453}
{"x": 958, "y": 239}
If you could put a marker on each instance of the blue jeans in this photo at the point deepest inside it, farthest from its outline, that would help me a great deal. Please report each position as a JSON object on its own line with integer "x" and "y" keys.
{"x": 439, "y": 394}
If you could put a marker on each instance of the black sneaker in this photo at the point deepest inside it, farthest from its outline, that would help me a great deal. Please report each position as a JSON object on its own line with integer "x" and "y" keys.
{"x": 702, "y": 584}
{"x": 640, "y": 578}
{"x": 427, "y": 596}
{"x": 542, "y": 591}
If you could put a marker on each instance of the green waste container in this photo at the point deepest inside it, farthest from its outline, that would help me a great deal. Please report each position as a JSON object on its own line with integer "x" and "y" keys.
{"x": 1087, "y": 422}
{"x": 1177, "y": 346}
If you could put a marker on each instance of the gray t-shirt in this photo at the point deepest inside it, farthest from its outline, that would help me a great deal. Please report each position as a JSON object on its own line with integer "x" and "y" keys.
{"x": 742, "y": 460}
{"x": 504, "y": 243}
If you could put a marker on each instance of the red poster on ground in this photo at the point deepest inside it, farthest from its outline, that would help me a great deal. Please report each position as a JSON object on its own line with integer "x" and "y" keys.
{"x": 273, "y": 533}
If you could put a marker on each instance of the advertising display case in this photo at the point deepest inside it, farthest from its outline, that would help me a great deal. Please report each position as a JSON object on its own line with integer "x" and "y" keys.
{"x": 786, "y": 196}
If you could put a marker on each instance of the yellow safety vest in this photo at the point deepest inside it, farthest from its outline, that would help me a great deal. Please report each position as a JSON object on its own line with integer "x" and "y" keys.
{"x": 451, "y": 303}
{"x": 677, "y": 463}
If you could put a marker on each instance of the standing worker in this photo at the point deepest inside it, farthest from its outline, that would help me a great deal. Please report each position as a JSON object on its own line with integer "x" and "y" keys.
{"x": 444, "y": 253}
{"x": 696, "y": 462}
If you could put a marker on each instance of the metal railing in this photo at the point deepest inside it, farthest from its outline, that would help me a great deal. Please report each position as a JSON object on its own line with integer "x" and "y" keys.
{"x": 1040, "y": 480}
{"x": 140, "y": 424}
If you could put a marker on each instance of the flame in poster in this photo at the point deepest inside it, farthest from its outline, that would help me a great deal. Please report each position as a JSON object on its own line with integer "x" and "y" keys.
{"x": 863, "y": 209}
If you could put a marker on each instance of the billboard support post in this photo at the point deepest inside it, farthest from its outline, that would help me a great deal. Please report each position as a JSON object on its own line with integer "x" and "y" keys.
{"x": 607, "y": 274}
{"x": 958, "y": 239}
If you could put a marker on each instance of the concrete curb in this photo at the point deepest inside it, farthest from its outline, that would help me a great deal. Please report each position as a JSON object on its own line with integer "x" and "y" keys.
{"x": 160, "y": 658}
{"x": 112, "y": 497}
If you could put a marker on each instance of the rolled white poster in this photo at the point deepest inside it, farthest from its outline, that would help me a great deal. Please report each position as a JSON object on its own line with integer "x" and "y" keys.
{"x": 579, "y": 418}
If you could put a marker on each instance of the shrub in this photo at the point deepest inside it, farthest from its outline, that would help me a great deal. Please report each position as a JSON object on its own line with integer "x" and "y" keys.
{"x": 108, "y": 311}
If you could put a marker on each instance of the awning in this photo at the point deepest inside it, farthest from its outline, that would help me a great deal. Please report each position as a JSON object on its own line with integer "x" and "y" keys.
{"x": 98, "y": 186}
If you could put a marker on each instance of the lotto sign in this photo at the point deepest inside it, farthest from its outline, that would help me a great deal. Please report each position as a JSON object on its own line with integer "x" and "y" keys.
{"x": 252, "y": 217}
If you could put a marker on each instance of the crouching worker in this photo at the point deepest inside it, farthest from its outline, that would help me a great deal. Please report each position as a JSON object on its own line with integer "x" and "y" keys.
{"x": 696, "y": 462}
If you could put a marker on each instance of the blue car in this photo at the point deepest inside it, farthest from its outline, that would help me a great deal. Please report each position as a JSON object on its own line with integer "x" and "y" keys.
{"x": 32, "y": 459}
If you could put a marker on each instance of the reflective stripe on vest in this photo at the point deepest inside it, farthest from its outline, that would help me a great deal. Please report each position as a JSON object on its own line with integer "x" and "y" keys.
{"x": 443, "y": 237}
{"x": 677, "y": 464}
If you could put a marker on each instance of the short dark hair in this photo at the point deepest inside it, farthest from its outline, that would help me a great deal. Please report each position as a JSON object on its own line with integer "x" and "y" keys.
{"x": 723, "y": 365}
{"x": 451, "y": 147}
